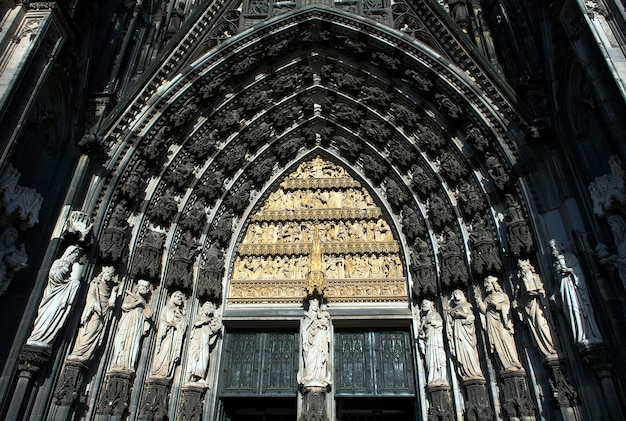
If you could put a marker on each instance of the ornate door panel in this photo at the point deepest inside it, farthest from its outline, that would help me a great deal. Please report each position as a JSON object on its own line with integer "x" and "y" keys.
{"x": 260, "y": 363}
{"x": 376, "y": 363}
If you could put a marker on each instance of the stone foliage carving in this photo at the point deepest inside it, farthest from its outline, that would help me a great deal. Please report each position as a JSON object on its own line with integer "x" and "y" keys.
{"x": 573, "y": 296}
{"x": 112, "y": 242}
{"x": 58, "y": 297}
{"x": 530, "y": 300}
{"x": 134, "y": 324}
{"x": 608, "y": 190}
{"x": 155, "y": 400}
{"x": 440, "y": 404}
{"x": 423, "y": 270}
{"x": 113, "y": 399}
{"x": 98, "y": 305}
{"x": 147, "y": 261}
{"x": 205, "y": 331}
{"x": 78, "y": 223}
{"x": 517, "y": 402}
{"x": 315, "y": 338}
{"x": 453, "y": 269}
{"x": 518, "y": 236}
{"x": 68, "y": 385}
{"x": 13, "y": 258}
{"x": 496, "y": 317}
{"x": 171, "y": 330}
{"x": 485, "y": 255}
{"x": 463, "y": 343}
{"x": 431, "y": 344}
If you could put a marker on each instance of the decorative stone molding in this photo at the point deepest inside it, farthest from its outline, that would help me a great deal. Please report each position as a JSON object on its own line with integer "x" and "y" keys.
{"x": 517, "y": 402}
{"x": 478, "y": 407}
{"x": 78, "y": 223}
{"x": 68, "y": 387}
{"x": 32, "y": 359}
{"x": 440, "y": 403}
{"x": 114, "y": 395}
{"x": 23, "y": 202}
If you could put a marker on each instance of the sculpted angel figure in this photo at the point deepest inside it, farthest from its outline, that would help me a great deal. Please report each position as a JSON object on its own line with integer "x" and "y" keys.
{"x": 495, "y": 308}
{"x": 461, "y": 319}
{"x": 58, "y": 297}
{"x": 431, "y": 344}
{"x": 170, "y": 333}
{"x": 100, "y": 301}
{"x": 205, "y": 331}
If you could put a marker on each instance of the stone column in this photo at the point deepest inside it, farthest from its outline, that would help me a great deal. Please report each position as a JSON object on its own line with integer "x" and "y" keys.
{"x": 563, "y": 391}
{"x": 115, "y": 393}
{"x": 440, "y": 403}
{"x": 68, "y": 389}
{"x": 32, "y": 359}
{"x": 517, "y": 402}
{"x": 477, "y": 407}
{"x": 314, "y": 404}
{"x": 598, "y": 359}
{"x": 191, "y": 402}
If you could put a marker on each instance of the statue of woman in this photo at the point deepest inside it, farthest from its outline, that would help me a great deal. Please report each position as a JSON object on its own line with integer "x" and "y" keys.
{"x": 204, "y": 334}
{"x": 170, "y": 333}
{"x": 58, "y": 297}
{"x": 315, "y": 340}
{"x": 100, "y": 300}
{"x": 134, "y": 324}
{"x": 464, "y": 336}
{"x": 531, "y": 295}
{"x": 431, "y": 344}
{"x": 574, "y": 296}
{"x": 498, "y": 324}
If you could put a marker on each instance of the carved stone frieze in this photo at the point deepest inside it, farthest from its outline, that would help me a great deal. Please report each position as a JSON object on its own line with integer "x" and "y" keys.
{"x": 155, "y": 400}
{"x": 112, "y": 242}
{"x": 69, "y": 384}
{"x": 114, "y": 395}
{"x": 147, "y": 260}
{"x": 191, "y": 403}
{"x": 440, "y": 404}
{"x": 319, "y": 215}
{"x": 330, "y": 247}
{"x": 517, "y": 402}
{"x": 478, "y": 407}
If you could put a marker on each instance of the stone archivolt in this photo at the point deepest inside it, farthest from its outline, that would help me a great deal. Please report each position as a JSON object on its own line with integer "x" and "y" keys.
{"x": 360, "y": 255}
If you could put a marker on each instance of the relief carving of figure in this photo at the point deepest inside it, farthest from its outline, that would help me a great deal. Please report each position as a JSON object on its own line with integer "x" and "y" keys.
{"x": 315, "y": 337}
{"x": 530, "y": 301}
{"x": 518, "y": 235}
{"x": 574, "y": 296}
{"x": 205, "y": 331}
{"x": 431, "y": 344}
{"x": 99, "y": 303}
{"x": 134, "y": 324}
{"x": 496, "y": 316}
{"x": 12, "y": 258}
{"x": 58, "y": 297}
{"x": 170, "y": 334}
{"x": 461, "y": 319}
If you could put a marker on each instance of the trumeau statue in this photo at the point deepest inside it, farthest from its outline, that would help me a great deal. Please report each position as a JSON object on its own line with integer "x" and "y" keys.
{"x": 58, "y": 297}
{"x": 431, "y": 344}
{"x": 170, "y": 335}
{"x": 464, "y": 344}
{"x": 315, "y": 331}
{"x": 574, "y": 296}
{"x": 530, "y": 295}
{"x": 205, "y": 331}
{"x": 12, "y": 258}
{"x": 495, "y": 309}
{"x": 100, "y": 301}
{"x": 133, "y": 325}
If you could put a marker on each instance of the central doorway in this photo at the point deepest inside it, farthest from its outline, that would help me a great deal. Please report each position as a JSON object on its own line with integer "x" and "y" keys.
{"x": 377, "y": 409}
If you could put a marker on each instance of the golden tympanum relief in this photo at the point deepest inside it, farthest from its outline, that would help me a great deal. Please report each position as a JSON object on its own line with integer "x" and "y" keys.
{"x": 318, "y": 204}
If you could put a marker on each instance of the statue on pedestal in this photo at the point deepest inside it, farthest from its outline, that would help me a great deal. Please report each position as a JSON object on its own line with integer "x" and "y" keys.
{"x": 206, "y": 329}
{"x": 431, "y": 344}
{"x": 170, "y": 334}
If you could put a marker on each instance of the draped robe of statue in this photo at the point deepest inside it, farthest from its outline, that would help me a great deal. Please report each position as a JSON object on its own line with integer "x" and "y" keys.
{"x": 133, "y": 325}
{"x": 55, "y": 305}
{"x": 100, "y": 300}
{"x": 498, "y": 324}
{"x": 315, "y": 341}
{"x": 464, "y": 336}
{"x": 575, "y": 297}
{"x": 170, "y": 334}
{"x": 431, "y": 339}
{"x": 204, "y": 334}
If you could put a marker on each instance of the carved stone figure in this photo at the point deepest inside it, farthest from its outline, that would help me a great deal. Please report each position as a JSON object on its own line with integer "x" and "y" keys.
{"x": 58, "y": 297}
{"x": 204, "y": 333}
{"x": 147, "y": 262}
{"x": 464, "y": 344}
{"x": 496, "y": 316}
{"x": 485, "y": 256}
{"x": 210, "y": 277}
{"x": 179, "y": 269}
{"x": 12, "y": 258}
{"x": 113, "y": 240}
{"x": 423, "y": 269}
{"x": 618, "y": 227}
{"x": 134, "y": 324}
{"x": 431, "y": 344}
{"x": 450, "y": 167}
{"x": 517, "y": 233}
{"x": 100, "y": 300}
{"x": 170, "y": 334}
{"x": 469, "y": 199}
{"x": 421, "y": 181}
{"x": 574, "y": 296}
{"x": 530, "y": 297}
{"x": 453, "y": 269}
{"x": 395, "y": 195}
{"x": 438, "y": 212}
{"x": 497, "y": 171}
{"x": 608, "y": 190}
{"x": 224, "y": 228}
{"x": 315, "y": 338}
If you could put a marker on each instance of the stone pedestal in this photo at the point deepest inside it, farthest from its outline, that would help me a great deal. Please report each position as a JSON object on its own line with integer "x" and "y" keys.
{"x": 517, "y": 402}
{"x": 69, "y": 384}
{"x": 32, "y": 359}
{"x": 314, "y": 404}
{"x": 191, "y": 402}
{"x": 477, "y": 407}
{"x": 114, "y": 395}
{"x": 562, "y": 389}
{"x": 155, "y": 401}
{"x": 440, "y": 403}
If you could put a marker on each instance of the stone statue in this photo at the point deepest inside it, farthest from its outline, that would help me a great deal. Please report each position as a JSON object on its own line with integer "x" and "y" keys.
{"x": 464, "y": 345}
{"x": 574, "y": 296}
{"x": 518, "y": 235}
{"x": 206, "y": 329}
{"x": 12, "y": 258}
{"x": 58, "y": 297}
{"x": 134, "y": 324}
{"x": 618, "y": 227}
{"x": 100, "y": 301}
{"x": 431, "y": 344}
{"x": 530, "y": 296}
{"x": 315, "y": 331}
{"x": 170, "y": 334}
{"x": 496, "y": 319}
